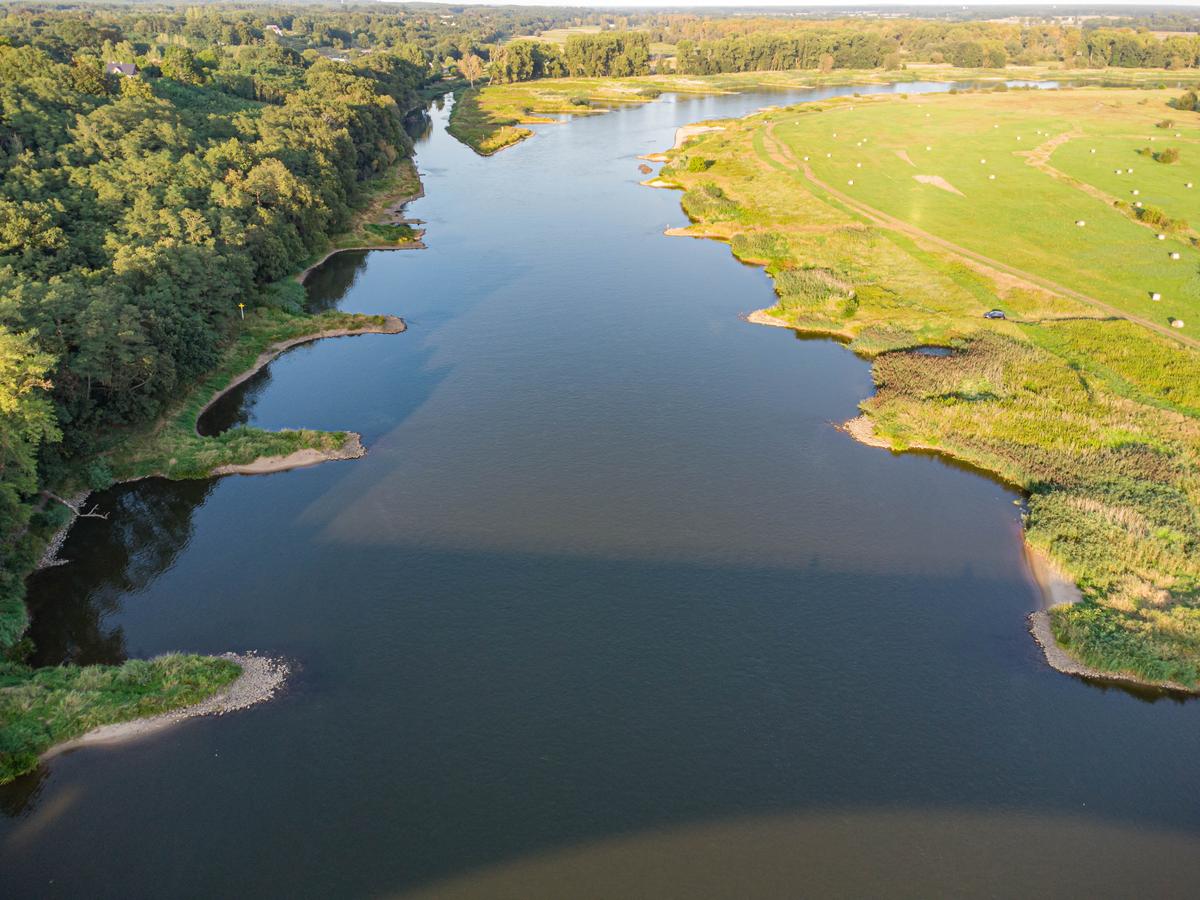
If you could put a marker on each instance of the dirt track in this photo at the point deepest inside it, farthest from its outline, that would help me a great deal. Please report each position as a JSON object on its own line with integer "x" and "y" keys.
{"x": 782, "y": 155}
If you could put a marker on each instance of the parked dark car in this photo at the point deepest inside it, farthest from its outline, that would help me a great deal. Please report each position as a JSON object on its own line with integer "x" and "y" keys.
{"x": 994, "y": 314}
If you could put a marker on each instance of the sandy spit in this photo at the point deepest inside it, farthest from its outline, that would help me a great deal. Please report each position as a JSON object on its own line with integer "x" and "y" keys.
{"x": 260, "y": 680}
{"x": 762, "y": 317}
{"x": 352, "y": 449}
{"x": 1057, "y": 589}
{"x": 687, "y": 132}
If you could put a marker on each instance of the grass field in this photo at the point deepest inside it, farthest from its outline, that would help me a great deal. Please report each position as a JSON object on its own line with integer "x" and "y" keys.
{"x": 559, "y": 36}
{"x": 992, "y": 200}
{"x": 1084, "y": 396}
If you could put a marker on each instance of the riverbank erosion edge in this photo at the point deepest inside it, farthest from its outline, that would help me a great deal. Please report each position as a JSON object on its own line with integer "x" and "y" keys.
{"x": 1060, "y": 398}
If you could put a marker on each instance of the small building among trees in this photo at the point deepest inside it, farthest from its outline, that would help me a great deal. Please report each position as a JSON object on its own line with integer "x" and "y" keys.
{"x": 126, "y": 70}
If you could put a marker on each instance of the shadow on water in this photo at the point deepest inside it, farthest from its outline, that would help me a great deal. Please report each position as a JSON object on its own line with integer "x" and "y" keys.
{"x": 329, "y": 283}
{"x": 235, "y": 408}
{"x": 149, "y": 526}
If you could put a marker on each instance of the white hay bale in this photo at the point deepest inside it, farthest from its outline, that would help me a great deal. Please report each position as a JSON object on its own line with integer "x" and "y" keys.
{"x": 991, "y": 178}
{"x": 1177, "y": 323}
{"x": 1175, "y": 255}
{"x": 851, "y": 181}
{"x": 1161, "y": 237}
{"x": 1080, "y": 222}
{"x": 1155, "y": 296}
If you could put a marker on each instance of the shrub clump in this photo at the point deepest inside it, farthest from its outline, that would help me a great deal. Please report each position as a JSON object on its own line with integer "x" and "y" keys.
{"x": 815, "y": 290}
{"x": 709, "y": 202}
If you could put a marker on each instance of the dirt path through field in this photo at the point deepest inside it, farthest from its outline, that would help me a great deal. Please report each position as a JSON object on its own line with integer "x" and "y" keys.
{"x": 781, "y": 154}
{"x": 1039, "y": 158}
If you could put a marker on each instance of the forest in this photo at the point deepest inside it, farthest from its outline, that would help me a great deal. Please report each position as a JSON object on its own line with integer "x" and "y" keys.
{"x": 140, "y": 203}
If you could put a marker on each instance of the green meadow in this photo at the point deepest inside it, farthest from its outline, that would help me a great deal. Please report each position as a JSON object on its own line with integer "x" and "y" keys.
{"x": 1084, "y": 396}
{"x": 990, "y": 199}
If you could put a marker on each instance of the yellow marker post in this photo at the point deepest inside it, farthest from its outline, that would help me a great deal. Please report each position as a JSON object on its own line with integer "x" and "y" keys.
{"x": 242, "y": 310}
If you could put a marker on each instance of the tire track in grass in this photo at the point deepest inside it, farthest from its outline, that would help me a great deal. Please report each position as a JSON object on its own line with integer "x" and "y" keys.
{"x": 781, "y": 154}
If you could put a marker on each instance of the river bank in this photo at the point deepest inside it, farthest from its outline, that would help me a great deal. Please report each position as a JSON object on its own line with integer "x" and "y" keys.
{"x": 981, "y": 402}
{"x": 174, "y": 447}
{"x": 261, "y": 679}
{"x": 492, "y": 116}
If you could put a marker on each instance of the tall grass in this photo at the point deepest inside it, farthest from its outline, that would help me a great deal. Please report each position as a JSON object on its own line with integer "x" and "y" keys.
{"x": 43, "y": 707}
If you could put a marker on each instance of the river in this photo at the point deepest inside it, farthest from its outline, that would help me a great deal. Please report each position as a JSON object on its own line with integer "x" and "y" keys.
{"x": 609, "y": 608}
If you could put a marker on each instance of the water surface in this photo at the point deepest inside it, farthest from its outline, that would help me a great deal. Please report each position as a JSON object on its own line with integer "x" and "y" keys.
{"x": 609, "y": 608}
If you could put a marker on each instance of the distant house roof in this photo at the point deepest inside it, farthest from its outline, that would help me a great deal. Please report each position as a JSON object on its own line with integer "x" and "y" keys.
{"x": 274, "y": 28}
{"x": 116, "y": 68}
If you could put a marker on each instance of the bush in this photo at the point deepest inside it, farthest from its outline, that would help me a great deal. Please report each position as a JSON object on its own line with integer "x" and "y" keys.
{"x": 698, "y": 164}
{"x": 580, "y": 101}
{"x": 1168, "y": 156}
{"x": 1187, "y": 101}
{"x": 1165, "y": 123}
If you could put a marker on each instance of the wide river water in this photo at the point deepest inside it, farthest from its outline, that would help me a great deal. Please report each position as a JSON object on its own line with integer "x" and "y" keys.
{"x": 609, "y": 609}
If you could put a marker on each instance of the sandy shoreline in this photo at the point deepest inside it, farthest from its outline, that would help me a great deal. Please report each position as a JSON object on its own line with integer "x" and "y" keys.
{"x": 301, "y": 459}
{"x": 260, "y": 680}
{"x": 687, "y": 132}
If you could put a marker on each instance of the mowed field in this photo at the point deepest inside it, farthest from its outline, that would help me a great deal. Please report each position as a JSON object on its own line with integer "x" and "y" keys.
{"x": 1008, "y": 175}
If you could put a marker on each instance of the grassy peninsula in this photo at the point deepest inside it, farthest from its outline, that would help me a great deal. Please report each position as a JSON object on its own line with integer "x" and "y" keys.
{"x": 43, "y": 707}
{"x": 896, "y": 222}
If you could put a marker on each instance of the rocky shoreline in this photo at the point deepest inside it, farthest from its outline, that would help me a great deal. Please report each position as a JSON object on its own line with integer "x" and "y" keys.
{"x": 261, "y": 679}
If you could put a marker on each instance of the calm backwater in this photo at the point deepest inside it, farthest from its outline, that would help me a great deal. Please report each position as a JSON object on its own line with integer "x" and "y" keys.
{"x": 609, "y": 609}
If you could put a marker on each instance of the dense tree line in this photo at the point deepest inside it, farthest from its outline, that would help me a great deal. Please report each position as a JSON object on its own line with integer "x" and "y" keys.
{"x": 773, "y": 51}
{"x": 137, "y": 211}
{"x": 526, "y": 61}
{"x": 611, "y": 54}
